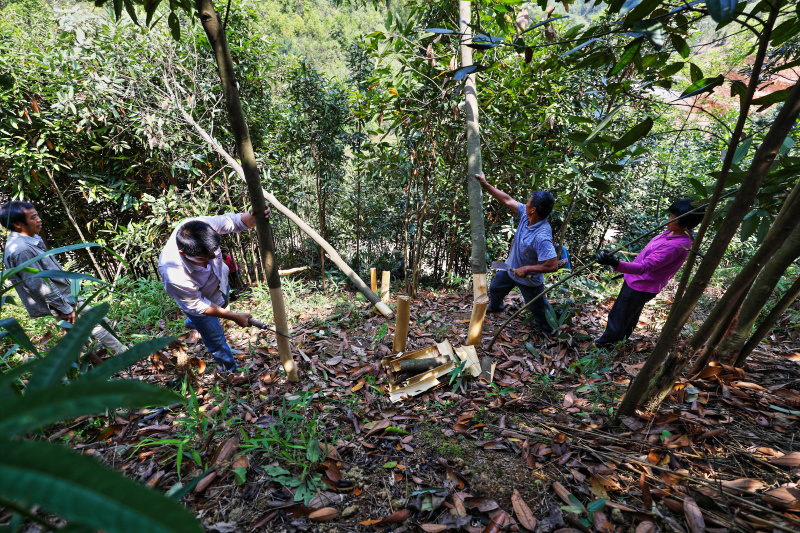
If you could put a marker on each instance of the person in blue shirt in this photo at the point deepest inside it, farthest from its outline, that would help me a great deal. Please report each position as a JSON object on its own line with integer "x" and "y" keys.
{"x": 532, "y": 253}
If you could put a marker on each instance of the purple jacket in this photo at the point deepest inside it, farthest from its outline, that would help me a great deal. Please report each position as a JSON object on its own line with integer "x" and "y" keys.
{"x": 657, "y": 262}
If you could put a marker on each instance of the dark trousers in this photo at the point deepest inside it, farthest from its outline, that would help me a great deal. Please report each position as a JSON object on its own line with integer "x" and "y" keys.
{"x": 625, "y": 314}
{"x": 502, "y": 285}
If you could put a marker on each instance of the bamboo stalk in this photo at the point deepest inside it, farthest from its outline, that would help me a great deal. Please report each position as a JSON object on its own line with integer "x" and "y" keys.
{"x": 386, "y": 280}
{"x": 401, "y": 326}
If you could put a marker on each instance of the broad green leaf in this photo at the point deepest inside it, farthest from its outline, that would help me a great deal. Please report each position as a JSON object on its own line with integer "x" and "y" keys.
{"x": 698, "y": 187}
{"x": 82, "y": 490}
{"x": 65, "y": 274}
{"x": 131, "y": 9}
{"x": 485, "y": 42}
{"x": 61, "y": 356}
{"x": 628, "y": 5}
{"x": 626, "y": 57}
{"x": 681, "y": 46}
{"x": 702, "y": 86}
{"x": 738, "y": 88}
{"x": 582, "y": 45}
{"x": 600, "y": 185}
{"x": 463, "y": 72}
{"x": 772, "y": 98}
{"x": 640, "y": 12}
{"x": 542, "y": 23}
{"x": 390, "y": 464}
{"x": 11, "y": 271}
{"x": 671, "y": 69}
{"x": 721, "y": 10}
{"x": 174, "y": 26}
{"x": 788, "y": 144}
{"x": 150, "y": 7}
{"x": 653, "y": 31}
{"x": 16, "y": 332}
{"x": 695, "y": 73}
{"x": 125, "y": 359}
{"x": 603, "y": 123}
{"x": 749, "y": 226}
{"x": 634, "y": 134}
{"x": 596, "y": 505}
{"x": 741, "y": 150}
{"x": 36, "y": 409}
{"x": 785, "y": 31}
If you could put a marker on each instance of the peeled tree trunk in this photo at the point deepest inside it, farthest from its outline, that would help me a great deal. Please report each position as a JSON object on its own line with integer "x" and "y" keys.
{"x": 758, "y": 296}
{"x": 640, "y": 391}
{"x": 215, "y": 32}
{"x": 477, "y": 230}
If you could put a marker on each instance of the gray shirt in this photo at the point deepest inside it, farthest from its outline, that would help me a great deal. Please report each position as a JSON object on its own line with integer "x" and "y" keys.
{"x": 41, "y": 297}
{"x": 532, "y": 245}
{"x": 194, "y": 287}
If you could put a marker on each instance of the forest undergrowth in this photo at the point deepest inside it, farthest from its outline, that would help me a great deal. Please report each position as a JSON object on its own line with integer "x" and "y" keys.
{"x": 534, "y": 450}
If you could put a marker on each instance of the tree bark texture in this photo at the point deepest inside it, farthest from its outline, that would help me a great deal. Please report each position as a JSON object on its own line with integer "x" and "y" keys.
{"x": 215, "y": 31}
{"x": 752, "y": 85}
{"x": 477, "y": 231}
{"x": 766, "y": 325}
{"x": 785, "y": 224}
{"x": 758, "y": 296}
{"x": 762, "y": 161}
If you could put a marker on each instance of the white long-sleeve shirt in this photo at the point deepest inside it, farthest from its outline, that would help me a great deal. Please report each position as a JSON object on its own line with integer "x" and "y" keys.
{"x": 194, "y": 287}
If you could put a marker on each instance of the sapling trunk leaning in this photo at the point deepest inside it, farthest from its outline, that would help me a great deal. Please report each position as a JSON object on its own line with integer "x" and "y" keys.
{"x": 215, "y": 31}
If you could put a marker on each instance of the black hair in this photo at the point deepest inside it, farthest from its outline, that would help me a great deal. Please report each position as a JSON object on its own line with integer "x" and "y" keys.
{"x": 13, "y": 213}
{"x": 196, "y": 238}
{"x": 543, "y": 201}
{"x": 683, "y": 206}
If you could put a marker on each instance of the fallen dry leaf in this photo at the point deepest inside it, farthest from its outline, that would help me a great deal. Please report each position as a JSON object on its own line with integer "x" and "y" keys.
{"x": 783, "y": 497}
{"x": 646, "y": 527}
{"x": 747, "y": 484}
{"x": 433, "y": 528}
{"x": 397, "y": 517}
{"x": 326, "y": 514}
{"x": 522, "y": 511}
{"x": 693, "y": 515}
{"x": 791, "y": 459}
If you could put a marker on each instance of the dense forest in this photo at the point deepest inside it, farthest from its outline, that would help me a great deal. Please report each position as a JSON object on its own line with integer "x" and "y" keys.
{"x": 362, "y": 127}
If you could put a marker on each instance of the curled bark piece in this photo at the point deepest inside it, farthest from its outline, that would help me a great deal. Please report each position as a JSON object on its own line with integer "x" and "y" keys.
{"x": 421, "y": 365}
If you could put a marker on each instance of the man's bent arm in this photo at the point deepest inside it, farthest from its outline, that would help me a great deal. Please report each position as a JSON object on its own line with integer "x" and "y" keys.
{"x": 220, "y": 312}
{"x": 551, "y": 265}
{"x": 497, "y": 194}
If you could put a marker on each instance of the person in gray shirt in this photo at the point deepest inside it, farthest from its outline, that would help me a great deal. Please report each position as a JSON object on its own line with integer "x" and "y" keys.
{"x": 42, "y": 297}
{"x": 532, "y": 253}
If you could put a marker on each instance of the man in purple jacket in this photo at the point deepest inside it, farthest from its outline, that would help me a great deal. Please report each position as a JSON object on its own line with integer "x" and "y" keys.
{"x": 650, "y": 272}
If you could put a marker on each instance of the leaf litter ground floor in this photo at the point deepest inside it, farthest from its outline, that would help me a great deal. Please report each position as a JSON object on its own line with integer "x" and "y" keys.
{"x": 534, "y": 450}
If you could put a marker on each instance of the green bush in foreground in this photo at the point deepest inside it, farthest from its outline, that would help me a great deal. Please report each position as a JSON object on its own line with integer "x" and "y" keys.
{"x": 50, "y": 476}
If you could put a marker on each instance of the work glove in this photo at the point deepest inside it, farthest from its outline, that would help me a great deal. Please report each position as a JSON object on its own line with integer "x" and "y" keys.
{"x": 605, "y": 258}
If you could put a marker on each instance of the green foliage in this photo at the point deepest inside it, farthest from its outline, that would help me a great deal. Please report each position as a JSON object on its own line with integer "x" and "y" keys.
{"x": 78, "y": 488}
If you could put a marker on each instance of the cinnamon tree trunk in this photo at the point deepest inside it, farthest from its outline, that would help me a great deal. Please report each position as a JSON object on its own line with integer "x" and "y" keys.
{"x": 215, "y": 31}
{"x": 758, "y": 296}
{"x": 770, "y": 320}
{"x": 474, "y": 191}
{"x": 640, "y": 389}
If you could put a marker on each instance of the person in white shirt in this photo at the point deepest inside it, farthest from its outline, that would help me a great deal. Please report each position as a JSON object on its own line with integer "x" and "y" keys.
{"x": 194, "y": 274}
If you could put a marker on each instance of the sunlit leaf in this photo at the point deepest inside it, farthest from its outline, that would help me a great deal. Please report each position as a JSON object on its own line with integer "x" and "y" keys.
{"x": 702, "y": 86}
{"x": 721, "y": 10}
